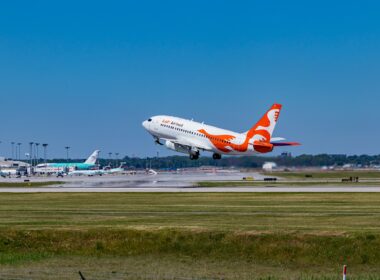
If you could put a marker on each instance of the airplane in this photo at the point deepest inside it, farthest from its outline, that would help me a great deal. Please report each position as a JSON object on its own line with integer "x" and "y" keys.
{"x": 65, "y": 166}
{"x": 190, "y": 137}
{"x": 90, "y": 173}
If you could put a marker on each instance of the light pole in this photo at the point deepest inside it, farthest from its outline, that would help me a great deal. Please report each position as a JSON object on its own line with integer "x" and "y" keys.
{"x": 13, "y": 148}
{"x": 31, "y": 155}
{"x": 110, "y": 155}
{"x": 67, "y": 153}
{"x": 19, "y": 150}
{"x": 117, "y": 159}
{"x": 45, "y": 151}
{"x": 37, "y": 152}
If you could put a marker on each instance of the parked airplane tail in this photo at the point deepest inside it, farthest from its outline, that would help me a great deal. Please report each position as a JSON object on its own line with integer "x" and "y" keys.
{"x": 93, "y": 158}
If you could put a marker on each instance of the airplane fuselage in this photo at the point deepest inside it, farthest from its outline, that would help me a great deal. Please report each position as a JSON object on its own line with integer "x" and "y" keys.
{"x": 189, "y": 133}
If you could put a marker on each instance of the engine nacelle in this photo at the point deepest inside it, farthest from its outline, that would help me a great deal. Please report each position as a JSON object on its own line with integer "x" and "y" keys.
{"x": 170, "y": 145}
{"x": 181, "y": 148}
{"x": 175, "y": 147}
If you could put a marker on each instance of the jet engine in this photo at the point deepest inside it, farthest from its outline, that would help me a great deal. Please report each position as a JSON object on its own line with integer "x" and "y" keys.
{"x": 194, "y": 152}
{"x": 176, "y": 147}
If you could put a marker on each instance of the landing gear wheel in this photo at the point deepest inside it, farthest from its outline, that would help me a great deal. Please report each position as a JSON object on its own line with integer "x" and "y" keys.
{"x": 217, "y": 156}
{"x": 194, "y": 157}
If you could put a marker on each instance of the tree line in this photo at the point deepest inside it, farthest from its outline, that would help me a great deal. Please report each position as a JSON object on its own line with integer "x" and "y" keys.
{"x": 174, "y": 162}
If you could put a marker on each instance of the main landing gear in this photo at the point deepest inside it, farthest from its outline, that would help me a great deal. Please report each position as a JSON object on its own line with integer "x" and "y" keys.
{"x": 217, "y": 156}
{"x": 194, "y": 157}
{"x": 194, "y": 153}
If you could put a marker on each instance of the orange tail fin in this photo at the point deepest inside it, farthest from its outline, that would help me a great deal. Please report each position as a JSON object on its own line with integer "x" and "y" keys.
{"x": 263, "y": 130}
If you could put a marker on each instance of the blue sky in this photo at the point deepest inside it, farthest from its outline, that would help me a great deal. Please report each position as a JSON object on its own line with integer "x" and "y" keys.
{"x": 87, "y": 73}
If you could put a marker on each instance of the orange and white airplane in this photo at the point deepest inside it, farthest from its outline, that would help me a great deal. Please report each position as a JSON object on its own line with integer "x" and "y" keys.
{"x": 189, "y": 137}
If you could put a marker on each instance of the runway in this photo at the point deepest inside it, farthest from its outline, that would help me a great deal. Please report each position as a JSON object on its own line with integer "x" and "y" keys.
{"x": 329, "y": 189}
{"x": 175, "y": 183}
{"x": 166, "y": 180}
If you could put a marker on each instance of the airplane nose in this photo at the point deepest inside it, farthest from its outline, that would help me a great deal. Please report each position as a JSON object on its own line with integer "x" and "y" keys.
{"x": 145, "y": 124}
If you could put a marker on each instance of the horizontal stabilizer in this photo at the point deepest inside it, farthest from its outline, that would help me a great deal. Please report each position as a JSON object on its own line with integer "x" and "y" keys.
{"x": 263, "y": 147}
{"x": 283, "y": 144}
{"x": 277, "y": 139}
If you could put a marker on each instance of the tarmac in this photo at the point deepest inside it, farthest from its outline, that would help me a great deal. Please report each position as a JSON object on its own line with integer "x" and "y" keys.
{"x": 330, "y": 189}
{"x": 141, "y": 180}
{"x": 171, "y": 182}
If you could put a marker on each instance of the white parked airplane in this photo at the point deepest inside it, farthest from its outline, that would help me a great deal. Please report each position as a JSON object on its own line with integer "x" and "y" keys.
{"x": 191, "y": 137}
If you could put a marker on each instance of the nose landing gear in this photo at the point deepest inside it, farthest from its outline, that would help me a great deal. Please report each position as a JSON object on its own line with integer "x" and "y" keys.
{"x": 157, "y": 141}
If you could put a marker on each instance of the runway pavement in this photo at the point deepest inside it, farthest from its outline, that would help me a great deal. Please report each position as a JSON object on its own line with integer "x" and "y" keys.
{"x": 329, "y": 189}
{"x": 173, "y": 179}
{"x": 171, "y": 182}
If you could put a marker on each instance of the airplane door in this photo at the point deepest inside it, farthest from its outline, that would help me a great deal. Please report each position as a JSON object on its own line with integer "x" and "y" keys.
{"x": 155, "y": 125}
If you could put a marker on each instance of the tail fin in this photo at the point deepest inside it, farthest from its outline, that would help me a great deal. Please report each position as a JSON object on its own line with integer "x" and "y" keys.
{"x": 263, "y": 130}
{"x": 93, "y": 158}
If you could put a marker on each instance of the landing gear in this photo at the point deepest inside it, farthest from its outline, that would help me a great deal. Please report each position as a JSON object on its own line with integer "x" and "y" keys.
{"x": 217, "y": 156}
{"x": 157, "y": 141}
{"x": 194, "y": 153}
{"x": 194, "y": 157}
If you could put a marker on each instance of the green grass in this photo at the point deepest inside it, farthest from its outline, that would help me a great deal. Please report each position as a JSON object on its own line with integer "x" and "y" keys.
{"x": 29, "y": 184}
{"x": 299, "y": 179}
{"x": 213, "y": 184}
{"x": 169, "y": 267}
{"x": 327, "y": 174}
{"x": 304, "y": 213}
{"x": 211, "y": 235}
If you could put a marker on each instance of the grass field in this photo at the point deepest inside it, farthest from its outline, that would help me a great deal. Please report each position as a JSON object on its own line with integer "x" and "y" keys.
{"x": 304, "y": 179}
{"x": 327, "y": 174}
{"x": 29, "y": 184}
{"x": 189, "y": 236}
{"x": 288, "y": 183}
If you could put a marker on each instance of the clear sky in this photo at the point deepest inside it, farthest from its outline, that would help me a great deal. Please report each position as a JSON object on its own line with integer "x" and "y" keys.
{"x": 87, "y": 73}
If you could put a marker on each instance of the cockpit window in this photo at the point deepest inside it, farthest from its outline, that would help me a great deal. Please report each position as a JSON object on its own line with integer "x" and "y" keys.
{"x": 149, "y": 120}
